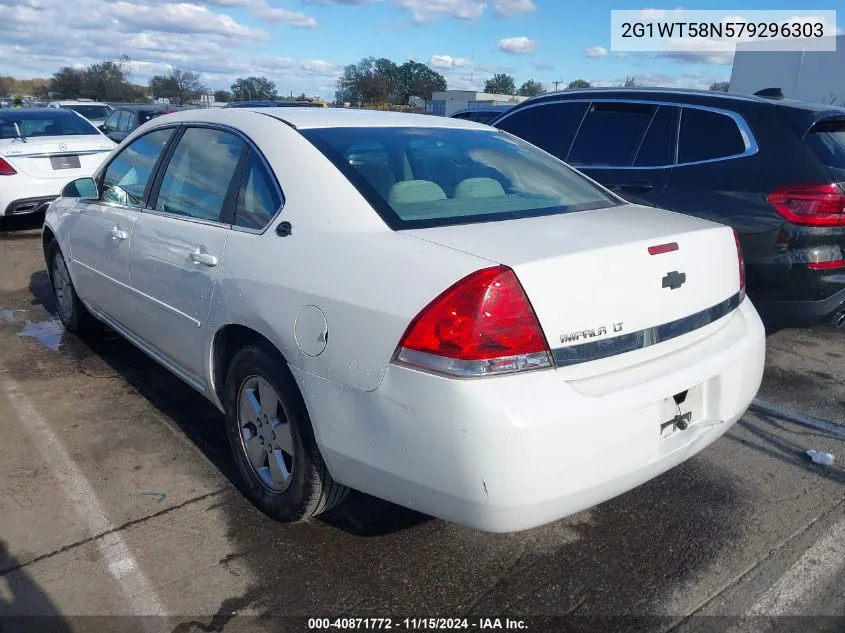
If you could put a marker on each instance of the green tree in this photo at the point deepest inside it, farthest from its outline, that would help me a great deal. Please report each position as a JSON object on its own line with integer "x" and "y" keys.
{"x": 67, "y": 82}
{"x": 106, "y": 81}
{"x": 720, "y": 86}
{"x": 531, "y": 88}
{"x": 630, "y": 82}
{"x": 224, "y": 96}
{"x": 370, "y": 81}
{"x": 179, "y": 86}
{"x": 578, "y": 83}
{"x": 418, "y": 80}
{"x": 248, "y": 88}
{"x": 500, "y": 84}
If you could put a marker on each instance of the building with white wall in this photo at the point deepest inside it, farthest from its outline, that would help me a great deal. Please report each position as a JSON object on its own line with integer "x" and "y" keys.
{"x": 816, "y": 76}
{"x": 450, "y": 101}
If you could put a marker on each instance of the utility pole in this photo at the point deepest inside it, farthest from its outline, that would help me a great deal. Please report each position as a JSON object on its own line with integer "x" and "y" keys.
{"x": 556, "y": 83}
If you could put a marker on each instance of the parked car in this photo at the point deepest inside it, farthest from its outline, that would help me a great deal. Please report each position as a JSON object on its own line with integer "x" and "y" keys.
{"x": 772, "y": 169}
{"x": 40, "y": 150}
{"x": 481, "y": 114}
{"x": 126, "y": 119}
{"x": 94, "y": 111}
{"x": 274, "y": 103}
{"x": 490, "y": 338}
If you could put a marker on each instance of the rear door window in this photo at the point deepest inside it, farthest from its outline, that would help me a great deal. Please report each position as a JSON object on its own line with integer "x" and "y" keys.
{"x": 708, "y": 135}
{"x": 199, "y": 174}
{"x": 658, "y": 146}
{"x": 611, "y": 134}
{"x": 258, "y": 197}
{"x": 549, "y": 126}
{"x": 826, "y": 139}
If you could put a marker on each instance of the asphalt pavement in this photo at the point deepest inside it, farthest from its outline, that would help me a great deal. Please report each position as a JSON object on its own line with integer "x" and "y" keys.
{"x": 118, "y": 500}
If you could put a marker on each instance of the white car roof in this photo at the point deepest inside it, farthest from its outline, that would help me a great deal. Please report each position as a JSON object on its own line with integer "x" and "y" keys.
{"x": 310, "y": 118}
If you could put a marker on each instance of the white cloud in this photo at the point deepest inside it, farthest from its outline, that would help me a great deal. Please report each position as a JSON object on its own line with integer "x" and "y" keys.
{"x": 650, "y": 15}
{"x": 517, "y": 45}
{"x": 595, "y": 52}
{"x": 427, "y": 10}
{"x": 660, "y": 80}
{"x": 513, "y": 7}
{"x": 620, "y": 55}
{"x": 542, "y": 66}
{"x": 699, "y": 51}
{"x": 275, "y": 15}
{"x": 446, "y": 62}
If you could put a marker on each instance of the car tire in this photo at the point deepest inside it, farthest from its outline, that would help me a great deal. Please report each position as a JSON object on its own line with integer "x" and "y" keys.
{"x": 270, "y": 434}
{"x": 72, "y": 312}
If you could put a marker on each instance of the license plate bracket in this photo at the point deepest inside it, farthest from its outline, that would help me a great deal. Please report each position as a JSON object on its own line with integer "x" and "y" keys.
{"x": 681, "y": 411}
{"x": 69, "y": 161}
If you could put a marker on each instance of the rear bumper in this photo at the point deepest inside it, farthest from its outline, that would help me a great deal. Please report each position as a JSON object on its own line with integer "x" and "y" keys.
{"x": 19, "y": 193}
{"x": 800, "y": 313}
{"x": 514, "y": 452}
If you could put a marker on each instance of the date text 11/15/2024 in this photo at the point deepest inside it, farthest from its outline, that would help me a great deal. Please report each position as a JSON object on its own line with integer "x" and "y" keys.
{"x": 415, "y": 624}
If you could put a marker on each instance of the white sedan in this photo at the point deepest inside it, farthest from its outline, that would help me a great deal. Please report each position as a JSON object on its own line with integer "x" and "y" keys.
{"x": 40, "y": 150}
{"x": 425, "y": 309}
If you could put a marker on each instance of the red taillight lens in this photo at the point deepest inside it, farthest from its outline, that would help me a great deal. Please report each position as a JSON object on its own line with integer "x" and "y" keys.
{"x": 6, "y": 169}
{"x": 741, "y": 261}
{"x": 810, "y": 205}
{"x": 482, "y": 325}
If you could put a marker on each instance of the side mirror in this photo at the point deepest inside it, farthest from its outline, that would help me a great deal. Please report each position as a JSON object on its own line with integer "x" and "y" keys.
{"x": 84, "y": 188}
{"x": 103, "y": 128}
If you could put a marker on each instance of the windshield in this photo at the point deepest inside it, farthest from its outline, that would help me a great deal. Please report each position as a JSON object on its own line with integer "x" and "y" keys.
{"x": 421, "y": 177}
{"x": 96, "y": 112}
{"x": 31, "y": 123}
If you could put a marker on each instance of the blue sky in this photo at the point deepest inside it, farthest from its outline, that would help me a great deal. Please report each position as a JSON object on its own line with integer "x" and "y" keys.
{"x": 303, "y": 44}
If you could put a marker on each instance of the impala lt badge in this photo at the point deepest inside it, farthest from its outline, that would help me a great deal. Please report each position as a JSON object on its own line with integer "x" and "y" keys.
{"x": 674, "y": 280}
{"x": 589, "y": 333}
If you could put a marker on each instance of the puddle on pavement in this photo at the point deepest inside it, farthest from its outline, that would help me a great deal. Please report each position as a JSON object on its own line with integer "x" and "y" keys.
{"x": 8, "y": 315}
{"x": 49, "y": 333}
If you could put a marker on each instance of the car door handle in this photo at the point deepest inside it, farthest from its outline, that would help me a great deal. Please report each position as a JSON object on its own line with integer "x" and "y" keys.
{"x": 117, "y": 234}
{"x": 201, "y": 256}
{"x": 640, "y": 186}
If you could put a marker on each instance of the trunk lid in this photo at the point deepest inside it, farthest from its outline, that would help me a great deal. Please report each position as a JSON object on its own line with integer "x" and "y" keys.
{"x": 590, "y": 276}
{"x": 33, "y": 158}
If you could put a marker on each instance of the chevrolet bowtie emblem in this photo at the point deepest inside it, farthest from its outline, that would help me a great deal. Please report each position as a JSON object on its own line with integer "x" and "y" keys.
{"x": 674, "y": 280}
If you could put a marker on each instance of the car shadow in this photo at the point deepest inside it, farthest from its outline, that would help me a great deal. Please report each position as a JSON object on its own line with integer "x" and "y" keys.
{"x": 15, "y": 227}
{"x": 24, "y": 605}
{"x": 201, "y": 422}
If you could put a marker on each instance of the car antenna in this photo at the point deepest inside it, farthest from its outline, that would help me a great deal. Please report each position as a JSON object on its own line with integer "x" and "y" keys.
{"x": 770, "y": 93}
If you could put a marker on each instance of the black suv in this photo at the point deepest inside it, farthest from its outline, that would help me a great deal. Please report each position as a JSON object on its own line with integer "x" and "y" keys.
{"x": 126, "y": 119}
{"x": 772, "y": 169}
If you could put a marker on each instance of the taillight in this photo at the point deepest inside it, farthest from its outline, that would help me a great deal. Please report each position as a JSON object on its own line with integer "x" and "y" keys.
{"x": 741, "y": 262}
{"x": 810, "y": 205}
{"x": 482, "y": 325}
{"x": 6, "y": 169}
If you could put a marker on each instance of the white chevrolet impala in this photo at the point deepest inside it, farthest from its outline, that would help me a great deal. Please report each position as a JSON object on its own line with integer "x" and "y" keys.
{"x": 424, "y": 309}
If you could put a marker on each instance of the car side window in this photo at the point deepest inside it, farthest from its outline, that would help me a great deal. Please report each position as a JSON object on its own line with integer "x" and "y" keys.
{"x": 133, "y": 122}
{"x": 707, "y": 135}
{"x": 126, "y": 177}
{"x": 200, "y": 173}
{"x": 611, "y": 134}
{"x": 111, "y": 122}
{"x": 658, "y": 146}
{"x": 549, "y": 126}
{"x": 123, "y": 122}
{"x": 258, "y": 196}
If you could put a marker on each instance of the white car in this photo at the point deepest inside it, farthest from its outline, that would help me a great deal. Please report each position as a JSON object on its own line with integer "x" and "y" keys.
{"x": 94, "y": 111}
{"x": 422, "y": 308}
{"x": 41, "y": 149}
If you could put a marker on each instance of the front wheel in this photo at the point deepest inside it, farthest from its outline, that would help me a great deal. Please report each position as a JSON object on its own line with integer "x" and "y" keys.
{"x": 72, "y": 313}
{"x": 271, "y": 437}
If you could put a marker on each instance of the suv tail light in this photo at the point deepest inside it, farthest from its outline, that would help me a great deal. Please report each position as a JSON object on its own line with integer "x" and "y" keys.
{"x": 6, "y": 169}
{"x": 810, "y": 205}
{"x": 741, "y": 261}
{"x": 482, "y": 325}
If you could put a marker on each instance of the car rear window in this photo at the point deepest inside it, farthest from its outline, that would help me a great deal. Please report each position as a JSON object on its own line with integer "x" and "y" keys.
{"x": 55, "y": 122}
{"x": 421, "y": 177}
{"x": 91, "y": 111}
{"x": 826, "y": 139}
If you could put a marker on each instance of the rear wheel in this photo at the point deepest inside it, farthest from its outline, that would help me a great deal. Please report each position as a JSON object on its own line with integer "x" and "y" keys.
{"x": 72, "y": 313}
{"x": 272, "y": 440}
